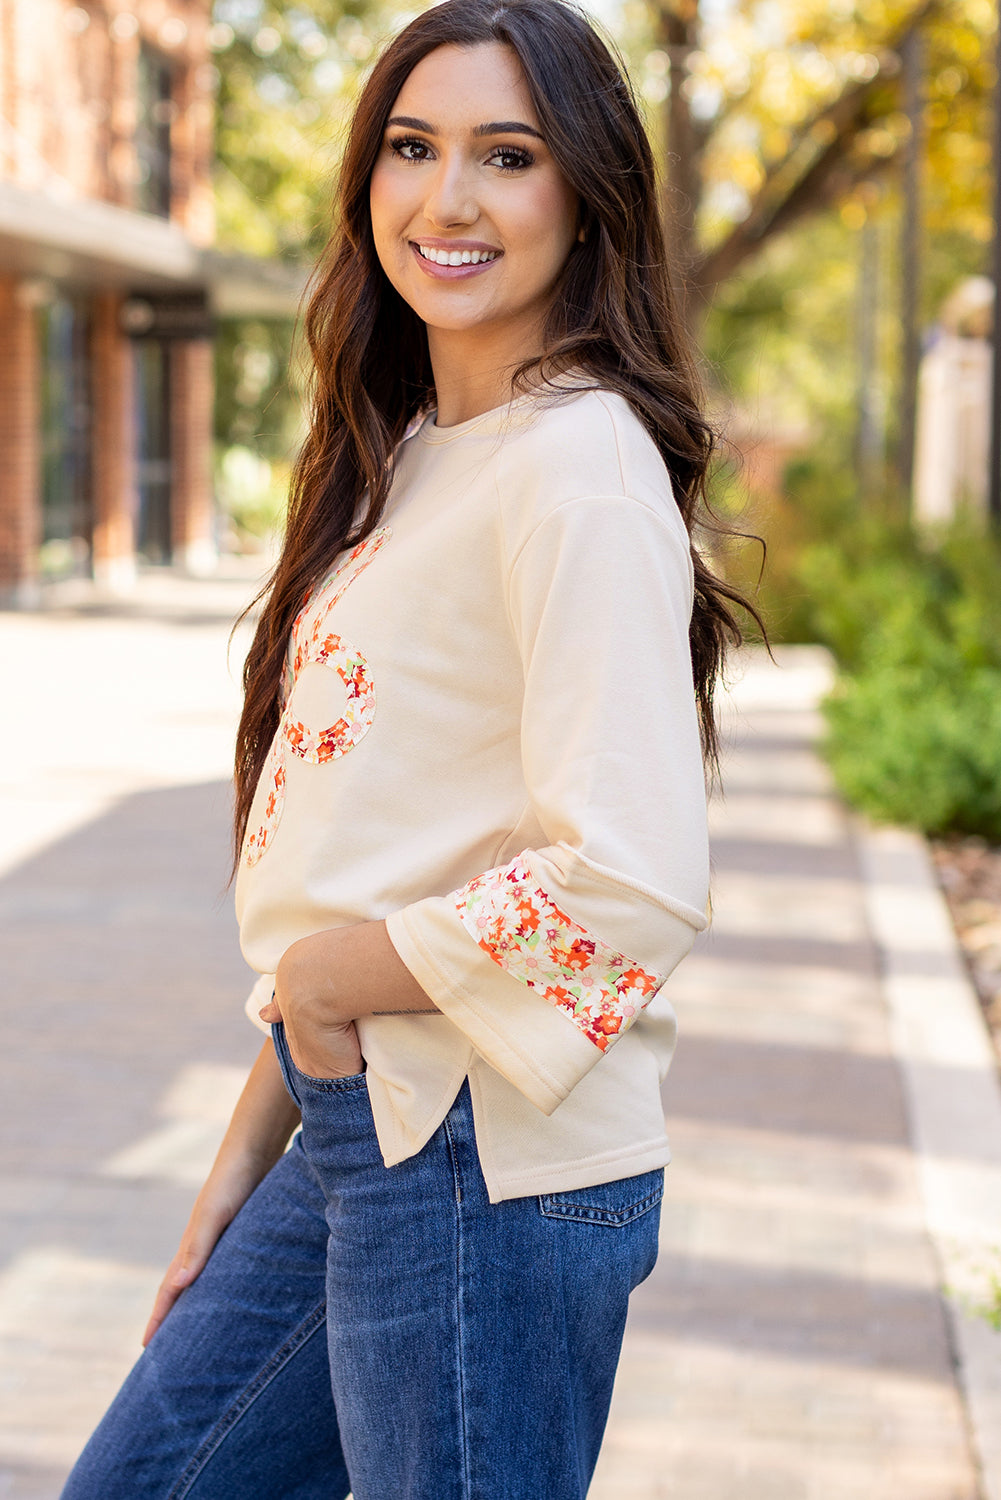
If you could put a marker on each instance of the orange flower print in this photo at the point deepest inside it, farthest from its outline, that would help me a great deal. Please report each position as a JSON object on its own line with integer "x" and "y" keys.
{"x": 312, "y": 645}
{"x": 527, "y": 934}
{"x": 528, "y": 915}
{"x": 637, "y": 979}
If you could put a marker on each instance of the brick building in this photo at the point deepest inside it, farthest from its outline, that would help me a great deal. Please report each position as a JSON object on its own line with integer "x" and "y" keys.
{"x": 108, "y": 287}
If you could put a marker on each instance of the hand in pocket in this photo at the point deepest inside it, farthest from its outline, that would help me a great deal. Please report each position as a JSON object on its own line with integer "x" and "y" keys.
{"x": 319, "y": 1050}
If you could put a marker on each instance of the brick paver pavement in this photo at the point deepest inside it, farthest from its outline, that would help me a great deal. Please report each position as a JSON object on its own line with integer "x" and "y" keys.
{"x": 791, "y": 1342}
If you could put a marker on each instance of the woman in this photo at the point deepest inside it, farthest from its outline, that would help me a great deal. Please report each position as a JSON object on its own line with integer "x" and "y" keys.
{"x": 470, "y": 810}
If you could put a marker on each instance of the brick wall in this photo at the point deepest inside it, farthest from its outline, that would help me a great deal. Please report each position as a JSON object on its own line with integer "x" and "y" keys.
{"x": 113, "y": 445}
{"x": 68, "y": 113}
{"x": 20, "y": 514}
{"x": 69, "y": 105}
{"x": 191, "y": 386}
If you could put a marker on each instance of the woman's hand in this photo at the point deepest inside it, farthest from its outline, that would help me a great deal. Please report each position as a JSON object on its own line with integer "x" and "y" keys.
{"x": 319, "y": 1049}
{"x": 258, "y": 1133}
{"x": 215, "y": 1207}
{"x": 322, "y": 1040}
{"x": 325, "y": 982}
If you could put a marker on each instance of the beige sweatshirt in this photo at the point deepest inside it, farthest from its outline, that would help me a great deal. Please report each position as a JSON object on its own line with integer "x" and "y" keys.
{"x": 489, "y": 739}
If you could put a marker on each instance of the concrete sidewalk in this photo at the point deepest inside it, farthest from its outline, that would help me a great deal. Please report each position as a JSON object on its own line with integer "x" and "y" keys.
{"x": 792, "y": 1341}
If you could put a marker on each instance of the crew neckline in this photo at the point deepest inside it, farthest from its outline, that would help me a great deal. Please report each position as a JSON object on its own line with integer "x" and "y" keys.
{"x": 495, "y": 418}
{"x": 498, "y": 418}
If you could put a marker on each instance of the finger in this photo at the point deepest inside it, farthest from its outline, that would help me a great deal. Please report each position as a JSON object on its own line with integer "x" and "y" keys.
{"x": 180, "y": 1274}
{"x": 270, "y": 1013}
{"x": 165, "y": 1299}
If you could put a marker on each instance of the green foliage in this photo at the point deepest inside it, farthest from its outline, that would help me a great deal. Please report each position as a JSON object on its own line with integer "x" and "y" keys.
{"x": 288, "y": 76}
{"x": 252, "y": 493}
{"x": 779, "y": 333}
{"x": 816, "y": 504}
{"x": 914, "y": 724}
{"x": 257, "y": 403}
{"x": 919, "y": 744}
{"x": 914, "y": 624}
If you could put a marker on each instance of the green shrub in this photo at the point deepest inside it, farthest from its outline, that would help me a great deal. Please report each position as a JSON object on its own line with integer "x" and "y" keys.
{"x": 251, "y": 492}
{"x": 914, "y": 624}
{"x": 915, "y": 745}
{"x": 817, "y": 501}
{"x": 915, "y": 719}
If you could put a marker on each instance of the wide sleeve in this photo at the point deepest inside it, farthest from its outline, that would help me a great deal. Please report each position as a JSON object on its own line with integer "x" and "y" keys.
{"x": 545, "y": 961}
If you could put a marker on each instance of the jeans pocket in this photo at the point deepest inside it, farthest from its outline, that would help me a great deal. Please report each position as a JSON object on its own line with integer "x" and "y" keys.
{"x": 295, "y": 1079}
{"x": 608, "y": 1203}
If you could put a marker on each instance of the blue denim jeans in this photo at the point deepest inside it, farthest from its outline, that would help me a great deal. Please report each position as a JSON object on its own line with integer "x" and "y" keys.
{"x": 388, "y": 1332}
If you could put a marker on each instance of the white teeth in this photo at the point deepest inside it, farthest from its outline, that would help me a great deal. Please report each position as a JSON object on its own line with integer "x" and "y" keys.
{"x": 456, "y": 257}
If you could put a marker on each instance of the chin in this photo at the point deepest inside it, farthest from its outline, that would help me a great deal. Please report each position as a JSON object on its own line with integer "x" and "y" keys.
{"x": 452, "y": 320}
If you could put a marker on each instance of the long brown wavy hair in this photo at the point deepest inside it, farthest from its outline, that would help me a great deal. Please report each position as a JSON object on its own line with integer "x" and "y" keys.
{"x": 614, "y": 321}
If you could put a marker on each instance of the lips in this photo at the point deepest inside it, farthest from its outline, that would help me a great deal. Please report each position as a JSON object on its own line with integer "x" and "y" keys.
{"x": 454, "y": 260}
{"x": 442, "y": 257}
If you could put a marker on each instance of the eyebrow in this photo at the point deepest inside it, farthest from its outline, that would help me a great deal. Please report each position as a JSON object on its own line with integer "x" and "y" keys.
{"x": 492, "y": 127}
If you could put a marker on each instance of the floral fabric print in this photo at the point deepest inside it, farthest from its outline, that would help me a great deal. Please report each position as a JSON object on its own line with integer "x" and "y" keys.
{"x": 514, "y": 921}
{"x": 273, "y": 777}
{"x": 314, "y": 645}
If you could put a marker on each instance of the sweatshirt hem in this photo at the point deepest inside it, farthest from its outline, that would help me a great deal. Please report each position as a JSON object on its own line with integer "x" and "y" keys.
{"x": 578, "y": 1172}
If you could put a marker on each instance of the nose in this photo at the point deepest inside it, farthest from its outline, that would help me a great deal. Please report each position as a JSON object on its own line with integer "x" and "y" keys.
{"x": 451, "y": 200}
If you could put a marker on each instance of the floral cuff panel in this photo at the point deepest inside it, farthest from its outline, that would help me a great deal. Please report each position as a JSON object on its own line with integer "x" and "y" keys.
{"x": 516, "y": 923}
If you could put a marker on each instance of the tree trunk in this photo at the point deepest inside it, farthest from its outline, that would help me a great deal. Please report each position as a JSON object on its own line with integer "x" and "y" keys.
{"x": 868, "y": 433}
{"x": 994, "y": 478}
{"x": 677, "y": 35}
{"x": 912, "y": 57}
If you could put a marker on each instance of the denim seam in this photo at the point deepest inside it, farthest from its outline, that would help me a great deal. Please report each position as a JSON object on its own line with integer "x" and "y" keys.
{"x": 460, "y": 1350}
{"x": 345, "y": 1085}
{"x": 584, "y": 1213}
{"x": 246, "y": 1399}
{"x": 353, "y": 1083}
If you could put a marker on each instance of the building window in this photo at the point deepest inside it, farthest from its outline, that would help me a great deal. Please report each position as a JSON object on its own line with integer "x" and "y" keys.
{"x": 67, "y": 504}
{"x": 155, "y": 112}
{"x": 153, "y": 462}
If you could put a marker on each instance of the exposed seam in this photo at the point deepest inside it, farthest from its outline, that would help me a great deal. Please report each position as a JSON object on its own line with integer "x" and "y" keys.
{"x": 457, "y": 992}
{"x": 584, "y": 1213}
{"x": 690, "y": 915}
{"x": 228, "y": 1421}
{"x": 609, "y": 413}
{"x": 460, "y": 1345}
{"x": 454, "y": 1158}
{"x": 630, "y": 499}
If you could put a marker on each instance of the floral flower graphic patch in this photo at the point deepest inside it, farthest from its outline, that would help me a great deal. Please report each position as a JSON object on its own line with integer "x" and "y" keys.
{"x": 273, "y": 777}
{"x": 313, "y": 645}
{"x": 321, "y": 745}
{"x": 514, "y": 921}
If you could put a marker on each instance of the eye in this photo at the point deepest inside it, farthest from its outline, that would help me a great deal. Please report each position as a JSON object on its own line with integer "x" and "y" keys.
{"x": 511, "y": 158}
{"x": 410, "y": 148}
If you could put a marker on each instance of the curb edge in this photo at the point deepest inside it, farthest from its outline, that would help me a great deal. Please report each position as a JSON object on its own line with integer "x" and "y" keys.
{"x": 953, "y": 1091}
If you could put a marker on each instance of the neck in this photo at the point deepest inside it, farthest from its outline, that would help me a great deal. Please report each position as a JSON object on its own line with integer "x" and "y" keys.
{"x": 474, "y": 374}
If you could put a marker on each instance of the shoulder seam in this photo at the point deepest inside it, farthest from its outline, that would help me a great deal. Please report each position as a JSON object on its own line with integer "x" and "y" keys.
{"x": 583, "y": 500}
{"x": 601, "y": 395}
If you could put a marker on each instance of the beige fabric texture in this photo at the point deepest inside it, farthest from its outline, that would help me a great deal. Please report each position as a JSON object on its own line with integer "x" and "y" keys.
{"x": 517, "y": 641}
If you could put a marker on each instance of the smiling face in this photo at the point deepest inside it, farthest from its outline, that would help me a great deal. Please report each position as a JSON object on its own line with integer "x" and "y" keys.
{"x": 473, "y": 220}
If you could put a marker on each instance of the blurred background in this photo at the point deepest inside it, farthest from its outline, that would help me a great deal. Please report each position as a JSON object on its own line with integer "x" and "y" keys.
{"x": 828, "y": 170}
{"x": 165, "y": 181}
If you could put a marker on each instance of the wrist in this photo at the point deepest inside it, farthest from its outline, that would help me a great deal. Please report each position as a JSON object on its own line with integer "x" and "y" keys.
{"x": 308, "y": 975}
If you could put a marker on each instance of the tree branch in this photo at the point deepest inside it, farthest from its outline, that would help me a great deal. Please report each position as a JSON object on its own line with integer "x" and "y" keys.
{"x": 816, "y": 170}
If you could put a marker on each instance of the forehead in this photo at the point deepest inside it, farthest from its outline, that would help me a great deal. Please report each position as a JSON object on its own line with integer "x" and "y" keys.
{"x": 458, "y": 87}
